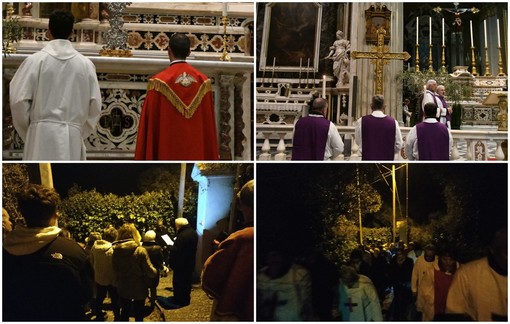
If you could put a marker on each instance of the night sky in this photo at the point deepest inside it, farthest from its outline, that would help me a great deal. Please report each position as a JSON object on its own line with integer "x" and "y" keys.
{"x": 117, "y": 178}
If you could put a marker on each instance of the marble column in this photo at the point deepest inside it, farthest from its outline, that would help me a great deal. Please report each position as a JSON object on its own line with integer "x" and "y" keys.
{"x": 240, "y": 140}
{"x": 226, "y": 83}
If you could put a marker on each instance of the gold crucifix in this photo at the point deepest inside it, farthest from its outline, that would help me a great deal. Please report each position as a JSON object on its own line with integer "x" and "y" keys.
{"x": 380, "y": 55}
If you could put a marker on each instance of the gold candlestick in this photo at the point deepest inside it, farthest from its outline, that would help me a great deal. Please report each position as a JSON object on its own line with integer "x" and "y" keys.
{"x": 225, "y": 56}
{"x": 431, "y": 68}
{"x": 443, "y": 67}
{"x": 500, "y": 63}
{"x": 487, "y": 68}
{"x": 417, "y": 68}
{"x": 473, "y": 65}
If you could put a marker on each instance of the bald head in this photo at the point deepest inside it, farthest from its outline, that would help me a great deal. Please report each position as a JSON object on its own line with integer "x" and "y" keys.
{"x": 319, "y": 106}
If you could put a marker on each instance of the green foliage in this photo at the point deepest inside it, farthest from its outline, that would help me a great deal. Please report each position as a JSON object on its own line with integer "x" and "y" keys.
{"x": 89, "y": 211}
{"x": 11, "y": 32}
{"x": 15, "y": 177}
{"x": 370, "y": 200}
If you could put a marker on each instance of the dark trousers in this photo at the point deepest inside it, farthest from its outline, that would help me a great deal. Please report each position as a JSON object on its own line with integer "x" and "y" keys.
{"x": 101, "y": 295}
{"x": 182, "y": 287}
{"x": 125, "y": 309}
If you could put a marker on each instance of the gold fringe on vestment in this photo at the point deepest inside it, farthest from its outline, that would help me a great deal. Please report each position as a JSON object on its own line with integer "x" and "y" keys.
{"x": 185, "y": 110}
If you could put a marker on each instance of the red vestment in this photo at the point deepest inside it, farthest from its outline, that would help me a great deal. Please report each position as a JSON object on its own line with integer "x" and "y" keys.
{"x": 177, "y": 121}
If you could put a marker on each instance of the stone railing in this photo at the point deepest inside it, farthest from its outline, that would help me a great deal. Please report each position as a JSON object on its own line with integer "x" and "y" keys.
{"x": 123, "y": 82}
{"x": 274, "y": 142}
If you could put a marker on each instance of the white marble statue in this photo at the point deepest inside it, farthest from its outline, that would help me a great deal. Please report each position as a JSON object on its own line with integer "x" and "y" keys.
{"x": 340, "y": 54}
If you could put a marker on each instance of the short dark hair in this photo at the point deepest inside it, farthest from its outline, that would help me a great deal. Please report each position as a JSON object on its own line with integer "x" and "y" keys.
{"x": 430, "y": 109}
{"x": 110, "y": 234}
{"x": 61, "y": 24}
{"x": 180, "y": 45}
{"x": 38, "y": 204}
{"x": 377, "y": 102}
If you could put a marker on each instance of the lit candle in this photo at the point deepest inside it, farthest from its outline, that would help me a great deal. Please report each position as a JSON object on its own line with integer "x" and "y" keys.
{"x": 442, "y": 34}
{"x": 324, "y": 87}
{"x": 499, "y": 42}
{"x": 471, "y": 28}
{"x": 485, "y": 31}
{"x": 417, "y": 27}
{"x": 300, "y": 62}
{"x": 430, "y": 30}
{"x": 225, "y": 4}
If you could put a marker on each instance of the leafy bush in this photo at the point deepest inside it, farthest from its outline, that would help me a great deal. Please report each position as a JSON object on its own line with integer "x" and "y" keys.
{"x": 89, "y": 211}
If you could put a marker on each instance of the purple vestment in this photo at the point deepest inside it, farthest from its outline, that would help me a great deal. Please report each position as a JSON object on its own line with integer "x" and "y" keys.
{"x": 445, "y": 105}
{"x": 310, "y": 137}
{"x": 433, "y": 141}
{"x": 378, "y": 138}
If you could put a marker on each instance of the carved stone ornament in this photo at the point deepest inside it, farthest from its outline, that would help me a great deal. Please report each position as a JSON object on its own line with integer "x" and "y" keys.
{"x": 377, "y": 16}
{"x": 116, "y": 38}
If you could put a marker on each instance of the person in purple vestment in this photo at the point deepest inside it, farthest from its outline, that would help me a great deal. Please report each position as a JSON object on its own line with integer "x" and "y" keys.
{"x": 378, "y": 135}
{"x": 315, "y": 137}
{"x": 429, "y": 140}
{"x": 447, "y": 117}
{"x": 429, "y": 95}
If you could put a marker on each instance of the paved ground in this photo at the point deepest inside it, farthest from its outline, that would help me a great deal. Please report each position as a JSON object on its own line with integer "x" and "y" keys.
{"x": 198, "y": 311}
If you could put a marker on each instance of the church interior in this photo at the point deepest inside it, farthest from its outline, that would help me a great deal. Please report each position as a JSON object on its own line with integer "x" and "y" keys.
{"x": 221, "y": 37}
{"x": 337, "y": 51}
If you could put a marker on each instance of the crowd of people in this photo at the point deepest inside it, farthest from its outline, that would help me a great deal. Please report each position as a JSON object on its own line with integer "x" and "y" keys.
{"x": 390, "y": 282}
{"x": 48, "y": 276}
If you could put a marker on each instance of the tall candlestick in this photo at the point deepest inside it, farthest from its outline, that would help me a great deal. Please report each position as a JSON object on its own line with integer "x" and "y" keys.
{"x": 225, "y": 4}
{"x": 471, "y": 29}
{"x": 307, "y": 70}
{"x": 499, "y": 42}
{"x": 430, "y": 30}
{"x": 417, "y": 26}
{"x": 272, "y": 77}
{"x": 485, "y": 31}
{"x": 442, "y": 33}
{"x": 324, "y": 86}
{"x": 300, "y": 62}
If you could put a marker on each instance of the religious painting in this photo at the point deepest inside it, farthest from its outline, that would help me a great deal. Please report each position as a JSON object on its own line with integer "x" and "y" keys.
{"x": 377, "y": 16}
{"x": 291, "y": 37}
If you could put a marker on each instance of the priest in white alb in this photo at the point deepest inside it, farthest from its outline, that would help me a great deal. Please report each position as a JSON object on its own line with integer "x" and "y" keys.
{"x": 55, "y": 97}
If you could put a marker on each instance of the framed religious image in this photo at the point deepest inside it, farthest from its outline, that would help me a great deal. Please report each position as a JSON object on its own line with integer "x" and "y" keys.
{"x": 291, "y": 37}
{"x": 377, "y": 16}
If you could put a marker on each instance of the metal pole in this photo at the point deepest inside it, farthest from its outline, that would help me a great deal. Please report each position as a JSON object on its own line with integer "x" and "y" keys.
{"x": 182, "y": 182}
{"x": 394, "y": 203}
{"x": 359, "y": 208}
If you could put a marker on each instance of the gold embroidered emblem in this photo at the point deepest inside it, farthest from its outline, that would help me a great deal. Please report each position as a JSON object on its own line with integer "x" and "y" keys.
{"x": 185, "y": 79}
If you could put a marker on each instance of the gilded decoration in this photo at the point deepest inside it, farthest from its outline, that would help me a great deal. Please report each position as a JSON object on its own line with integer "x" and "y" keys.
{"x": 377, "y": 16}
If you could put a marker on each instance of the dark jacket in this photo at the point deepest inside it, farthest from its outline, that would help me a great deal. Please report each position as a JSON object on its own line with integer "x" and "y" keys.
{"x": 51, "y": 284}
{"x": 182, "y": 254}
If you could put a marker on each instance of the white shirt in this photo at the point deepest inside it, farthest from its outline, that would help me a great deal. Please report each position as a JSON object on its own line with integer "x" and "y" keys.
{"x": 55, "y": 102}
{"x": 429, "y": 97}
{"x": 411, "y": 145}
{"x": 379, "y": 114}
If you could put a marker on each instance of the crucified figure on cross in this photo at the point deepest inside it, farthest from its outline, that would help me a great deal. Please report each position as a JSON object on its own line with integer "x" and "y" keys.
{"x": 380, "y": 56}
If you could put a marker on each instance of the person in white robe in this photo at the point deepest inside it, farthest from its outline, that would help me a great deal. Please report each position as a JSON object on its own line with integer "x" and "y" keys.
{"x": 55, "y": 97}
{"x": 358, "y": 300}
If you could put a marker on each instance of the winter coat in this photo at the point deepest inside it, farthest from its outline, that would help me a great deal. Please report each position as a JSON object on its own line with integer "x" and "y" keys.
{"x": 133, "y": 269}
{"x": 183, "y": 252}
{"x": 101, "y": 255}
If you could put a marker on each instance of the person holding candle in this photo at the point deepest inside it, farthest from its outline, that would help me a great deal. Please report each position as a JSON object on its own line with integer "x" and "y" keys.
{"x": 339, "y": 54}
{"x": 315, "y": 137}
{"x": 378, "y": 135}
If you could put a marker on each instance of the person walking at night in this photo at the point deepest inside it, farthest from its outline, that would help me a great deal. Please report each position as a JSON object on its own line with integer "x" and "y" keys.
{"x": 315, "y": 137}
{"x": 101, "y": 255}
{"x": 133, "y": 269}
{"x": 430, "y": 139}
{"x": 156, "y": 255}
{"x": 480, "y": 288}
{"x": 182, "y": 262}
{"x": 358, "y": 300}
{"x": 378, "y": 135}
{"x": 401, "y": 269}
{"x": 434, "y": 286}
{"x": 47, "y": 277}
{"x": 228, "y": 275}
